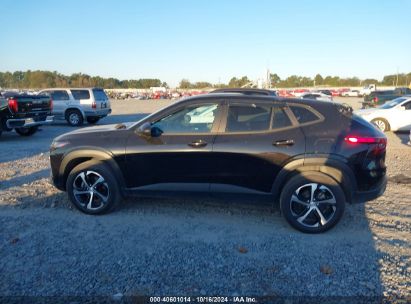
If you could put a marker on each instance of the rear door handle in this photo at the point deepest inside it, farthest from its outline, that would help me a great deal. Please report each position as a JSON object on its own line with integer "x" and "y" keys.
{"x": 287, "y": 142}
{"x": 198, "y": 143}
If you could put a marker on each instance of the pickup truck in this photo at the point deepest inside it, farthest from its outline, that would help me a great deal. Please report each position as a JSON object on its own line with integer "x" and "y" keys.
{"x": 377, "y": 98}
{"x": 24, "y": 113}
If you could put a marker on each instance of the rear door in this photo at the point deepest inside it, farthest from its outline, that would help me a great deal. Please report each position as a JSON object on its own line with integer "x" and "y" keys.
{"x": 61, "y": 100}
{"x": 255, "y": 140}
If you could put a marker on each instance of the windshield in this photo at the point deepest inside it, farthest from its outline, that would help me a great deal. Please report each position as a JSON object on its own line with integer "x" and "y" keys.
{"x": 392, "y": 103}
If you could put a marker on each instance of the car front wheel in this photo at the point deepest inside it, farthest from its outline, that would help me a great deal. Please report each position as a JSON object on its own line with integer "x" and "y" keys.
{"x": 92, "y": 188}
{"x": 312, "y": 202}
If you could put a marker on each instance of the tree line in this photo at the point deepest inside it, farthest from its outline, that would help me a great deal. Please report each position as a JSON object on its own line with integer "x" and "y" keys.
{"x": 47, "y": 79}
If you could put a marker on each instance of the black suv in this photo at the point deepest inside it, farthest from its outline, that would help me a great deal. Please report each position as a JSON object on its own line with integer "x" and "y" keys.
{"x": 309, "y": 155}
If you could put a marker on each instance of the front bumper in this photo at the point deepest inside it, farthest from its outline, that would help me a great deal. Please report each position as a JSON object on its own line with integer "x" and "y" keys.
{"x": 369, "y": 195}
{"x": 28, "y": 122}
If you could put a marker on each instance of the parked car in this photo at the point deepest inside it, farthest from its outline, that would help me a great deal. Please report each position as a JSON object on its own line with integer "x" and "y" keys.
{"x": 309, "y": 156}
{"x": 351, "y": 93}
{"x": 377, "y": 98}
{"x": 326, "y": 92}
{"x": 394, "y": 115}
{"x": 78, "y": 104}
{"x": 317, "y": 96}
{"x": 24, "y": 113}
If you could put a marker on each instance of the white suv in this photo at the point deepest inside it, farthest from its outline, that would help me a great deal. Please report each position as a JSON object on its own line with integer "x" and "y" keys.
{"x": 78, "y": 104}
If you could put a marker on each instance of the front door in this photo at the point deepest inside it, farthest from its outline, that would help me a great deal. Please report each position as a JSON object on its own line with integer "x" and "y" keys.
{"x": 180, "y": 151}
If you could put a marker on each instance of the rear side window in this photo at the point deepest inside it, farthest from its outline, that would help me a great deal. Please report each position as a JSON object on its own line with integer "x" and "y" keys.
{"x": 303, "y": 115}
{"x": 248, "y": 118}
{"x": 59, "y": 95}
{"x": 99, "y": 95}
{"x": 80, "y": 94}
{"x": 280, "y": 119}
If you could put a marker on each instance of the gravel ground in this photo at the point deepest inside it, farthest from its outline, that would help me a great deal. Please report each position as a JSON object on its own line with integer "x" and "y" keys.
{"x": 192, "y": 246}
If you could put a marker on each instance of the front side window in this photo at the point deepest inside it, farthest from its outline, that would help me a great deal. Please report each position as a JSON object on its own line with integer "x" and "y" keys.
{"x": 407, "y": 105}
{"x": 80, "y": 94}
{"x": 248, "y": 118}
{"x": 192, "y": 119}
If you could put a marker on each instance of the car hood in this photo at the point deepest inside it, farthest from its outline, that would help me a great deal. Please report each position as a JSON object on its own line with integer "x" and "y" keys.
{"x": 99, "y": 129}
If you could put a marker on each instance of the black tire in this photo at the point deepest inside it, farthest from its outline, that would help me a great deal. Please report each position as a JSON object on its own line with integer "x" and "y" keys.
{"x": 26, "y": 131}
{"x": 305, "y": 214}
{"x": 91, "y": 171}
{"x": 381, "y": 124}
{"x": 74, "y": 118}
{"x": 93, "y": 120}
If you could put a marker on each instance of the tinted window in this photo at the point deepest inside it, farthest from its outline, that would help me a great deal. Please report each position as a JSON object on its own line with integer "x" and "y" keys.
{"x": 99, "y": 94}
{"x": 193, "y": 119}
{"x": 303, "y": 115}
{"x": 80, "y": 94}
{"x": 407, "y": 105}
{"x": 280, "y": 118}
{"x": 245, "y": 118}
{"x": 59, "y": 95}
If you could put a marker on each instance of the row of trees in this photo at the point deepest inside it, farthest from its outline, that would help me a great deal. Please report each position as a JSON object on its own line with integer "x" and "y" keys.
{"x": 335, "y": 81}
{"x": 46, "y": 79}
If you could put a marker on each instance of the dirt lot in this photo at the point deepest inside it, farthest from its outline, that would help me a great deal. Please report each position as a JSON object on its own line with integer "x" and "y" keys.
{"x": 203, "y": 246}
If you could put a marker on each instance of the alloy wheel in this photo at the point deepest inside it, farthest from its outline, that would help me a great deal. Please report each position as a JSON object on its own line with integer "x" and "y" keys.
{"x": 74, "y": 118}
{"x": 380, "y": 124}
{"x": 313, "y": 205}
{"x": 90, "y": 190}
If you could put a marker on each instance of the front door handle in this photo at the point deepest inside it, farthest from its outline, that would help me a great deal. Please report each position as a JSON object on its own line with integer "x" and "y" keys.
{"x": 198, "y": 144}
{"x": 287, "y": 142}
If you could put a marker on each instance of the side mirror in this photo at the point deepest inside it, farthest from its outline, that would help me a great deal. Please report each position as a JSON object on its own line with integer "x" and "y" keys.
{"x": 145, "y": 129}
{"x": 148, "y": 130}
{"x": 156, "y": 131}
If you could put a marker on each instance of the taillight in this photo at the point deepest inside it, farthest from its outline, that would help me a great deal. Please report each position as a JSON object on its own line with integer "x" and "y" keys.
{"x": 94, "y": 105}
{"x": 375, "y": 99}
{"x": 379, "y": 143}
{"x": 13, "y": 105}
{"x": 51, "y": 104}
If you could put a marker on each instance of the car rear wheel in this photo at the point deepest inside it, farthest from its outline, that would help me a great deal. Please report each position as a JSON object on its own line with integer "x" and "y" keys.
{"x": 74, "y": 118}
{"x": 26, "y": 131}
{"x": 92, "y": 188}
{"x": 382, "y": 124}
{"x": 312, "y": 202}
{"x": 92, "y": 120}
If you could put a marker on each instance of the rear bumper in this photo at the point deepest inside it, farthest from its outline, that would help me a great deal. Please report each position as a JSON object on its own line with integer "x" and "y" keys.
{"x": 375, "y": 192}
{"x": 99, "y": 113}
{"x": 28, "y": 122}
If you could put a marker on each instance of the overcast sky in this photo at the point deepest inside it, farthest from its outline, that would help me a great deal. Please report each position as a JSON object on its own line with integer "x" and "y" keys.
{"x": 206, "y": 40}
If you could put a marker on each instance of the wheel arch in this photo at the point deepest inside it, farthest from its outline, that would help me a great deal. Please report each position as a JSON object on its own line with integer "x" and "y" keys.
{"x": 334, "y": 168}
{"x": 77, "y": 157}
{"x": 73, "y": 107}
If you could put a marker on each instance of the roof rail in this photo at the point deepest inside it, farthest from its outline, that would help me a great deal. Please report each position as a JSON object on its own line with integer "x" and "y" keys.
{"x": 261, "y": 92}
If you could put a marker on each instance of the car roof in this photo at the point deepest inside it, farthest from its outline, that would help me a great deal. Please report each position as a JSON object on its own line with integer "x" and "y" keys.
{"x": 88, "y": 88}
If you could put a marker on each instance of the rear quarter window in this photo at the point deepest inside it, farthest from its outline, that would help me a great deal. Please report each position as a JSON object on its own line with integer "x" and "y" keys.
{"x": 99, "y": 94}
{"x": 80, "y": 94}
{"x": 304, "y": 115}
